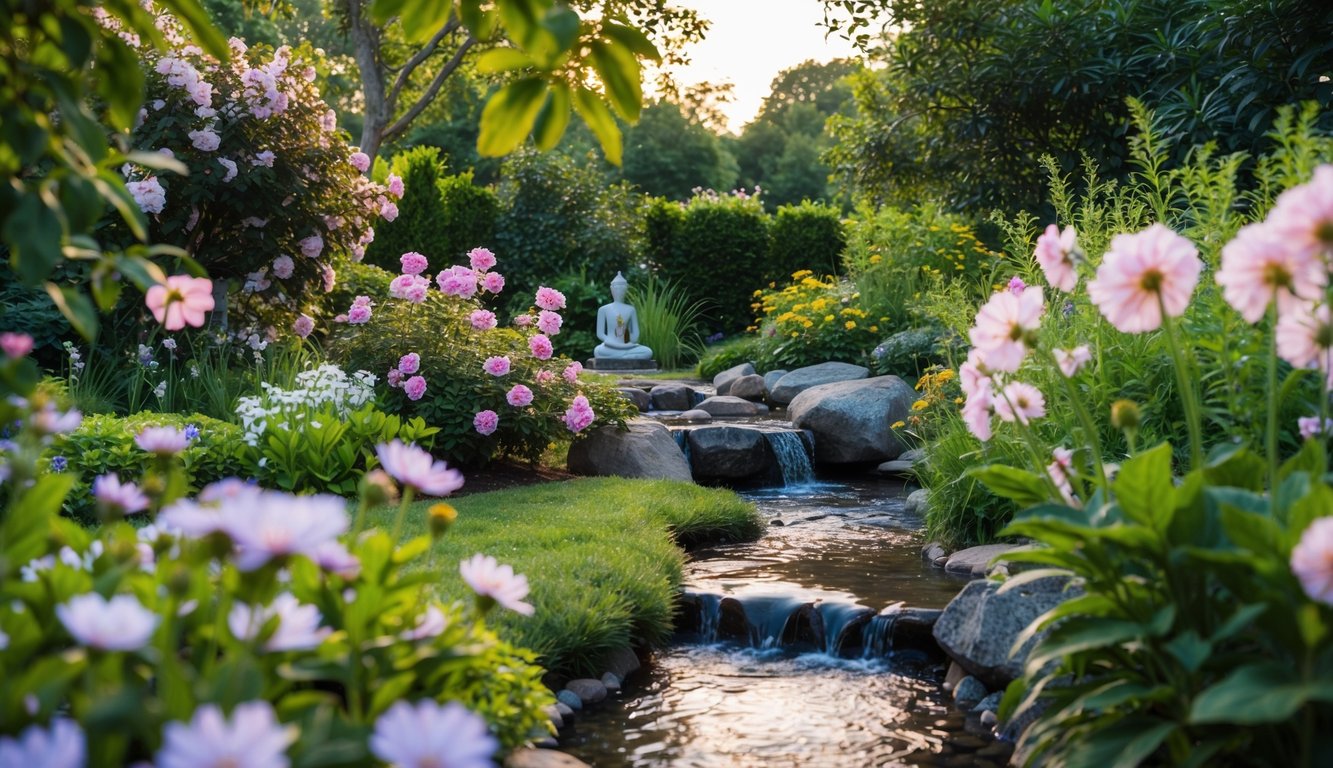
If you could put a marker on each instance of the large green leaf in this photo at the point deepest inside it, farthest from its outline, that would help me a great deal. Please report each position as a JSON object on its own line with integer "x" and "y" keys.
{"x": 632, "y": 39}
{"x": 1125, "y": 744}
{"x": 1020, "y": 486}
{"x": 509, "y": 116}
{"x": 1265, "y": 692}
{"x": 620, "y": 72}
{"x": 554, "y": 117}
{"x": 503, "y": 60}
{"x": 34, "y": 233}
{"x": 1144, "y": 487}
{"x": 599, "y": 119}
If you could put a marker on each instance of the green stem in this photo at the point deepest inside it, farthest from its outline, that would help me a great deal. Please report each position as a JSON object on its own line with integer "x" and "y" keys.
{"x": 1187, "y": 394}
{"x": 1271, "y": 442}
{"x": 1089, "y": 427}
{"x": 402, "y": 513}
{"x": 361, "y": 506}
{"x": 1039, "y": 460}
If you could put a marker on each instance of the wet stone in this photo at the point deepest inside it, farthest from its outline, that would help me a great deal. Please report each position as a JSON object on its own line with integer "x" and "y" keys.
{"x": 588, "y": 690}
{"x": 622, "y": 663}
{"x": 611, "y": 681}
{"x": 968, "y": 692}
{"x": 542, "y": 758}
{"x": 775, "y": 521}
{"x": 570, "y": 699}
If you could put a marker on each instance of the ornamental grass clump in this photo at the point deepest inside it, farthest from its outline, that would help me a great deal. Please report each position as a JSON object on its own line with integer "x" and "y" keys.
{"x": 1197, "y": 629}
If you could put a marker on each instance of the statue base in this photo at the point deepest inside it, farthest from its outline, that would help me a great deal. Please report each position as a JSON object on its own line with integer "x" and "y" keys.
{"x": 616, "y": 365}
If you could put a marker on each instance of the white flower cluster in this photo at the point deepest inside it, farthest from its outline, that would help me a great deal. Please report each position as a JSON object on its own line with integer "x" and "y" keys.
{"x": 316, "y": 389}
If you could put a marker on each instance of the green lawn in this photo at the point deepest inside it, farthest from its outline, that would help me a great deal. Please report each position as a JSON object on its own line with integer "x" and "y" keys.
{"x": 603, "y": 557}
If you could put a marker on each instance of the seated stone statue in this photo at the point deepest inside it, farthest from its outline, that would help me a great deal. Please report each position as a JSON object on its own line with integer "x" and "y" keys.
{"x": 618, "y": 327}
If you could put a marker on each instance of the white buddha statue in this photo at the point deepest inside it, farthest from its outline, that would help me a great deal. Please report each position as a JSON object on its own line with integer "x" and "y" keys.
{"x": 618, "y": 327}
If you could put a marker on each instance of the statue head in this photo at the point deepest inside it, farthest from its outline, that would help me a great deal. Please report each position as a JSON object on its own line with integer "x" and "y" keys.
{"x": 618, "y": 288}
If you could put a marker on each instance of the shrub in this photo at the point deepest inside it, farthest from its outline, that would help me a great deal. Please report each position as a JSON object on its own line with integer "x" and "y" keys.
{"x": 422, "y": 223}
{"x": 578, "y": 337}
{"x": 669, "y": 322}
{"x": 806, "y": 236}
{"x": 812, "y": 320}
{"x": 470, "y": 215}
{"x": 908, "y": 353}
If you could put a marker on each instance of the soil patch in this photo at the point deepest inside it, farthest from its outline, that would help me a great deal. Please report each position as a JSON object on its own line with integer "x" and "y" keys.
{"x": 499, "y": 475}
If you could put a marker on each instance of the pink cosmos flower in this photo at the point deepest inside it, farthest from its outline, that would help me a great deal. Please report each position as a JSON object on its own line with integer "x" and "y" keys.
{"x": 180, "y": 301}
{"x": 252, "y": 737}
{"x": 205, "y": 140}
{"x": 1141, "y": 275}
{"x": 15, "y": 345}
{"x": 973, "y": 374}
{"x": 413, "y": 263}
{"x": 409, "y": 363}
{"x": 1020, "y": 402}
{"x": 118, "y": 624}
{"x": 148, "y": 194}
{"x": 272, "y": 526}
{"x": 360, "y": 161}
{"x": 49, "y": 421}
{"x": 1016, "y": 284}
{"x": 298, "y": 626}
{"x": 572, "y": 371}
{"x": 312, "y": 246}
{"x": 395, "y": 185}
{"x": 493, "y": 282}
{"x": 1071, "y": 361}
{"x": 1004, "y": 324}
{"x": 486, "y": 422}
{"x": 1055, "y": 256}
{"x": 579, "y": 415}
{"x": 541, "y": 347}
{"x": 430, "y": 624}
{"x": 63, "y": 745}
{"x": 496, "y": 366}
{"x": 481, "y": 259}
{"x": 977, "y": 411}
{"x": 125, "y": 498}
{"x": 1302, "y": 218}
{"x": 1259, "y": 265}
{"x": 283, "y": 266}
{"x": 414, "y": 467}
{"x": 163, "y": 441}
{"x": 359, "y": 314}
{"x": 550, "y": 298}
{"x": 415, "y": 388}
{"x": 304, "y": 325}
{"x": 494, "y": 582}
{"x": 1305, "y": 338}
{"x": 428, "y": 733}
{"x": 483, "y": 319}
{"x": 549, "y": 322}
{"x": 1309, "y": 426}
{"x": 1061, "y": 471}
{"x": 1312, "y": 560}
{"x": 519, "y": 396}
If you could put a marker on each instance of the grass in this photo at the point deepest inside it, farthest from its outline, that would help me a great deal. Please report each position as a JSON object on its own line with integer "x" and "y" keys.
{"x": 603, "y": 557}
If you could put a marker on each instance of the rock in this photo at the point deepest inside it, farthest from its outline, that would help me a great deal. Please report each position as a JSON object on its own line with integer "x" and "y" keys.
{"x": 672, "y": 397}
{"x": 748, "y": 388}
{"x": 570, "y": 699}
{"x": 975, "y": 561}
{"x": 528, "y": 757}
{"x": 989, "y": 704}
{"x": 979, "y": 626}
{"x": 794, "y": 383}
{"x": 726, "y": 405}
{"x": 728, "y": 453}
{"x": 941, "y": 561}
{"x": 896, "y": 468}
{"x": 932, "y": 551}
{"x": 566, "y": 711}
{"x": 851, "y": 419}
{"x": 724, "y": 388}
{"x": 917, "y": 500}
{"x": 725, "y": 378}
{"x": 622, "y": 662}
{"x": 647, "y": 449}
{"x": 637, "y": 396}
{"x": 553, "y": 714}
{"x": 968, "y": 692}
{"x": 611, "y": 681}
{"x": 988, "y": 717}
{"x": 771, "y": 378}
{"x": 914, "y": 455}
{"x": 776, "y": 521}
{"x": 912, "y": 631}
{"x": 588, "y": 690}
{"x": 694, "y": 414}
{"x": 953, "y": 675}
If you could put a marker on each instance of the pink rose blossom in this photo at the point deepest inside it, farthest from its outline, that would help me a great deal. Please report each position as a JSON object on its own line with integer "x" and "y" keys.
{"x": 523, "y": 321}
{"x": 1141, "y": 275}
{"x": 15, "y": 345}
{"x": 148, "y": 194}
{"x": 413, "y": 288}
{"x": 304, "y": 325}
{"x": 481, "y": 259}
{"x": 1020, "y": 402}
{"x": 359, "y": 314}
{"x": 579, "y": 415}
{"x": 388, "y": 210}
{"x": 457, "y": 281}
{"x": 283, "y": 266}
{"x": 395, "y": 185}
{"x": 549, "y": 322}
{"x": 483, "y": 319}
{"x": 493, "y": 282}
{"x": 264, "y": 158}
{"x": 486, "y": 422}
{"x": 409, "y": 363}
{"x": 1055, "y": 256}
{"x": 541, "y": 347}
{"x": 572, "y": 371}
{"x": 360, "y": 161}
{"x": 1072, "y": 360}
{"x": 550, "y": 298}
{"x": 329, "y": 277}
{"x": 519, "y": 396}
{"x": 1003, "y": 326}
{"x": 312, "y": 246}
{"x": 413, "y": 263}
{"x": 1259, "y": 265}
{"x": 394, "y": 377}
{"x": 496, "y": 366}
{"x": 205, "y": 140}
{"x": 1312, "y": 560}
{"x": 180, "y": 301}
{"x": 545, "y": 377}
{"x": 415, "y": 387}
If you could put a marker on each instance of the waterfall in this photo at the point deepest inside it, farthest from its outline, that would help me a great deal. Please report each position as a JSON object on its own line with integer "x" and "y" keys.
{"x": 877, "y": 640}
{"x": 792, "y": 456}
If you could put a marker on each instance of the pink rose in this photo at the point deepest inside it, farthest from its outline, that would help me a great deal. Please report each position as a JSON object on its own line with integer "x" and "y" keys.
{"x": 360, "y": 161}
{"x": 481, "y": 259}
{"x": 205, "y": 140}
{"x": 389, "y": 211}
{"x": 358, "y": 315}
{"x": 396, "y": 186}
{"x": 415, "y": 387}
{"x": 409, "y": 363}
{"x": 579, "y": 415}
{"x": 394, "y": 377}
{"x": 549, "y": 322}
{"x": 413, "y": 263}
{"x": 572, "y": 371}
{"x": 519, "y": 396}
{"x": 483, "y": 319}
{"x": 493, "y": 282}
{"x": 312, "y": 246}
{"x": 486, "y": 422}
{"x": 545, "y": 377}
{"x": 304, "y": 325}
{"x": 283, "y": 267}
{"x": 496, "y": 366}
{"x": 550, "y": 298}
{"x": 15, "y": 345}
{"x": 541, "y": 347}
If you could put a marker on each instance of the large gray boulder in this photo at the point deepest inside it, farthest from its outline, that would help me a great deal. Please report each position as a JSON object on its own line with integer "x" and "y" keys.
{"x": 647, "y": 449}
{"x": 672, "y": 397}
{"x": 801, "y": 379}
{"x": 772, "y": 378}
{"x": 723, "y": 381}
{"x": 852, "y": 419}
{"x": 979, "y": 627}
{"x": 750, "y": 387}
{"x": 728, "y": 453}
{"x": 638, "y": 397}
{"x": 726, "y": 405}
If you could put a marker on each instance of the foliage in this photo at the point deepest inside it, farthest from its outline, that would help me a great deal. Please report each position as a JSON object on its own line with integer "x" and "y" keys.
{"x": 669, "y": 322}
{"x": 578, "y": 336}
{"x": 806, "y": 236}
{"x": 470, "y": 215}
{"x": 728, "y": 233}
{"x": 908, "y": 353}
{"x": 735, "y": 351}
{"x": 590, "y": 598}
{"x": 105, "y": 443}
{"x": 667, "y": 155}
{"x": 812, "y": 320}
{"x": 421, "y": 223}
{"x": 971, "y": 92}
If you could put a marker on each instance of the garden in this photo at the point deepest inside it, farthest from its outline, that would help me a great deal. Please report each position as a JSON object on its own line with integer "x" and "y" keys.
{"x": 297, "y": 331}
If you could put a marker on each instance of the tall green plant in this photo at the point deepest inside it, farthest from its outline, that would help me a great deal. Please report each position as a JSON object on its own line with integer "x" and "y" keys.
{"x": 668, "y": 322}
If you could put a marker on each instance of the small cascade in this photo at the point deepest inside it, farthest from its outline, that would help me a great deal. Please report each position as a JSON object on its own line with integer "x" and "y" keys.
{"x": 793, "y": 457}
{"x": 877, "y": 636}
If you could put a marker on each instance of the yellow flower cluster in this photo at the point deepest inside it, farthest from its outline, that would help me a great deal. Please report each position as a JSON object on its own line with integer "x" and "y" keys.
{"x": 932, "y": 386}
{"x": 810, "y": 305}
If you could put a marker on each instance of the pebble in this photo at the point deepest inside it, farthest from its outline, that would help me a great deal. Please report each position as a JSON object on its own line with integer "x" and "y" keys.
{"x": 588, "y": 690}
{"x": 989, "y": 718}
{"x": 611, "y": 681}
{"x": 564, "y": 709}
{"x": 542, "y": 758}
{"x": 968, "y": 692}
{"x": 570, "y": 699}
{"x": 553, "y": 714}
{"x": 776, "y": 522}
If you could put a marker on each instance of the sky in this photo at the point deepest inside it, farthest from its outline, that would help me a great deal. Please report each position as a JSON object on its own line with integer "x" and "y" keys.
{"x": 751, "y": 41}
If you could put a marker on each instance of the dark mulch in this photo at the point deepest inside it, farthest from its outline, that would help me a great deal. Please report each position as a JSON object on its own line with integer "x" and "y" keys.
{"x": 499, "y": 475}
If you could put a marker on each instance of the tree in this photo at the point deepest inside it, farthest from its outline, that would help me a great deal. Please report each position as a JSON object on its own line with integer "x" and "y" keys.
{"x": 669, "y": 156}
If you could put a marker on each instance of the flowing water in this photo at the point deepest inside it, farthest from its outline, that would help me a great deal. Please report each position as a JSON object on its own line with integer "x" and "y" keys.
{"x": 794, "y": 650}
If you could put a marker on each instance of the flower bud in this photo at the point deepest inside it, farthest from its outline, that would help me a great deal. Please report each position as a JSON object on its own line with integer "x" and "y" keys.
{"x": 178, "y": 583}
{"x": 378, "y": 488}
{"x": 441, "y": 516}
{"x": 1125, "y": 415}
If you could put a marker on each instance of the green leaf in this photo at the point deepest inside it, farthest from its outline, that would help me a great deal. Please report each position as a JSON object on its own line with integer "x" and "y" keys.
{"x": 1236, "y": 466}
{"x": 1144, "y": 487}
{"x": 421, "y": 19}
{"x": 554, "y": 117}
{"x": 563, "y": 24}
{"x": 1313, "y": 505}
{"x": 1125, "y": 744}
{"x": 28, "y": 521}
{"x": 595, "y": 113}
{"x": 1312, "y": 459}
{"x": 200, "y": 26}
{"x": 1190, "y": 650}
{"x": 620, "y": 73}
{"x": 123, "y": 93}
{"x": 632, "y": 39}
{"x": 34, "y": 233}
{"x": 509, "y": 116}
{"x": 76, "y": 308}
{"x": 1082, "y": 634}
{"x": 1020, "y": 486}
{"x": 1266, "y": 692}
{"x": 1257, "y": 533}
{"x": 503, "y": 60}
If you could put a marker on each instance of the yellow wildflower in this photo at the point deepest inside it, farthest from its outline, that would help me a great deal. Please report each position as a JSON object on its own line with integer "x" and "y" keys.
{"x": 876, "y": 259}
{"x": 874, "y": 329}
{"x": 850, "y": 324}
{"x": 828, "y": 318}
{"x": 808, "y": 323}
{"x": 921, "y": 405}
{"x": 898, "y": 425}
{"x": 800, "y": 273}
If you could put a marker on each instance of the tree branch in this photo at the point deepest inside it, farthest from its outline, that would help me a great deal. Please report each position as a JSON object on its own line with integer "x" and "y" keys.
{"x": 426, "y": 98}
{"x": 417, "y": 58}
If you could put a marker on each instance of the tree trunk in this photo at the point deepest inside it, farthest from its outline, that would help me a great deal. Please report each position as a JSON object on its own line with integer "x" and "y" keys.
{"x": 366, "y": 47}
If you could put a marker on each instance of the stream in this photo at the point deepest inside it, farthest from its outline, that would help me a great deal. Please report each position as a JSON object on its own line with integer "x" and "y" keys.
{"x": 784, "y": 654}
